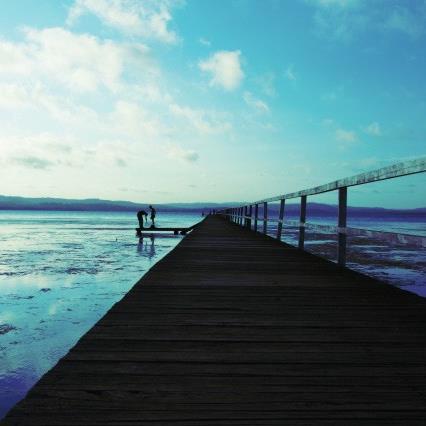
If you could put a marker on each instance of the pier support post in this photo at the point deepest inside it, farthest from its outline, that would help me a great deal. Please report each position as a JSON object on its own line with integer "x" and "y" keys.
{"x": 341, "y": 249}
{"x": 302, "y": 222}
{"x": 256, "y": 216}
{"x": 265, "y": 218}
{"x": 280, "y": 220}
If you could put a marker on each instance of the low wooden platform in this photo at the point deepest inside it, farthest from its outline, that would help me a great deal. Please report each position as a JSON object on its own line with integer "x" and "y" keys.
{"x": 233, "y": 328}
{"x": 175, "y": 230}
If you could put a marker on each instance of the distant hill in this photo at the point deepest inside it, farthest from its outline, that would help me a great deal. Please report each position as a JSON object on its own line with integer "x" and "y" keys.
{"x": 94, "y": 204}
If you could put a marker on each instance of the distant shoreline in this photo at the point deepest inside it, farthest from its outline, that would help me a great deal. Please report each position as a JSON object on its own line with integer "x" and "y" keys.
{"x": 356, "y": 213}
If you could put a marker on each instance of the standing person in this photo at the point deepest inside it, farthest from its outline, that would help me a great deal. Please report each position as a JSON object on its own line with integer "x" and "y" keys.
{"x": 140, "y": 214}
{"x": 153, "y": 212}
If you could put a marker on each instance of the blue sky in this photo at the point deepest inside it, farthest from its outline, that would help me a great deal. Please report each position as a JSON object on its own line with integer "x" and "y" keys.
{"x": 162, "y": 101}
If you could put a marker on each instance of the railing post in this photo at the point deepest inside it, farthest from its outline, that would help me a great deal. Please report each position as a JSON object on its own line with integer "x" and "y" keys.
{"x": 265, "y": 218}
{"x": 341, "y": 249}
{"x": 241, "y": 216}
{"x": 280, "y": 219}
{"x": 250, "y": 214}
{"x": 302, "y": 222}
{"x": 256, "y": 216}
{"x": 245, "y": 216}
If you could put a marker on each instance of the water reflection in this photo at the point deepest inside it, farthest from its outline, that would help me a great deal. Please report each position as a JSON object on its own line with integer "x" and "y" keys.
{"x": 146, "y": 246}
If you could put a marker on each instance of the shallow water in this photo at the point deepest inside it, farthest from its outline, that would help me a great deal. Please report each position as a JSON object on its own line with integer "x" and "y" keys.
{"x": 399, "y": 265}
{"x": 61, "y": 271}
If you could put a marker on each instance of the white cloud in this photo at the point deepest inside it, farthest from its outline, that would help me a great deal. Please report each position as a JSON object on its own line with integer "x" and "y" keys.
{"x": 146, "y": 18}
{"x": 12, "y": 96}
{"x": 373, "y": 129}
{"x": 204, "y": 122}
{"x": 131, "y": 121}
{"x": 224, "y": 68}
{"x": 345, "y": 136}
{"x": 82, "y": 63}
{"x": 255, "y": 103}
{"x": 179, "y": 153}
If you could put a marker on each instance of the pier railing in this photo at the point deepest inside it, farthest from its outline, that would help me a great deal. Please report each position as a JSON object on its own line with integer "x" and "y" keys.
{"x": 248, "y": 214}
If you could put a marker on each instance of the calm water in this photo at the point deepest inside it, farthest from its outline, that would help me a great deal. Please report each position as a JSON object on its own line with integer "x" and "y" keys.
{"x": 61, "y": 271}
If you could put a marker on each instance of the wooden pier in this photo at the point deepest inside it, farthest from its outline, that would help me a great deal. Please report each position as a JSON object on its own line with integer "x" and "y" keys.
{"x": 154, "y": 230}
{"x": 236, "y": 328}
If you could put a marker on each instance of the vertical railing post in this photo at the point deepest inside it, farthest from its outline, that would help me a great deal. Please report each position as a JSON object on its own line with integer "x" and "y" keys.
{"x": 265, "y": 218}
{"x": 241, "y": 216}
{"x": 302, "y": 222}
{"x": 250, "y": 214}
{"x": 245, "y": 216}
{"x": 256, "y": 216}
{"x": 280, "y": 219}
{"x": 341, "y": 248}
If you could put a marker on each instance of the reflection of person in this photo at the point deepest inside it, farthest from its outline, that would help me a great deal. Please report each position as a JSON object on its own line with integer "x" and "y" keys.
{"x": 152, "y": 248}
{"x": 145, "y": 250}
{"x": 140, "y": 216}
{"x": 153, "y": 211}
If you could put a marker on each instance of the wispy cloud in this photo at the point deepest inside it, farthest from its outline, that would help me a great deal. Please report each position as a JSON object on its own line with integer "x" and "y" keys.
{"x": 334, "y": 3}
{"x": 266, "y": 83}
{"x": 290, "y": 74}
{"x": 344, "y": 19}
{"x": 406, "y": 21}
{"x": 373, "y": 129}
{"x": 345, "y": 137}
{"x": 255, "y": 103}
{"x": 179, "y": 153}
{"x": 148, "y": 19}
{"x": 204, "y": 42}
{"x": 204, "y": 122}
{"x": 33, "y": 162}
{"x": 225, "y": 69}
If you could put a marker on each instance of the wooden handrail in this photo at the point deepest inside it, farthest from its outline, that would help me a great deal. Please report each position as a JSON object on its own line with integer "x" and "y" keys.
{"x": 243, "y": 214}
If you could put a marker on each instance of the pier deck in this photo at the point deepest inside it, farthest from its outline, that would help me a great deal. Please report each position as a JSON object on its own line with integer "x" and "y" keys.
{"x": 234, "y": 328}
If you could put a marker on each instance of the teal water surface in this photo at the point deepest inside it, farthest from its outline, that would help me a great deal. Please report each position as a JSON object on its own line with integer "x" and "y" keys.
{"x": 59, "y": 273}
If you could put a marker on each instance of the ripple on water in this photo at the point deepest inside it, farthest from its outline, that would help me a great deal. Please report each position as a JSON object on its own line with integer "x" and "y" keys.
{"x": 6, "y": 328}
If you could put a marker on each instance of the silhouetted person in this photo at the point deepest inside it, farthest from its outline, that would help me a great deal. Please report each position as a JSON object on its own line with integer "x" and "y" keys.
{"x": 140, "y": 216}
{"x": 153, "y": 212}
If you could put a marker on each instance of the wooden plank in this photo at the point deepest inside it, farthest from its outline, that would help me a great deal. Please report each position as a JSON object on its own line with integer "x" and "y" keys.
{"x": 236, "y": 328}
